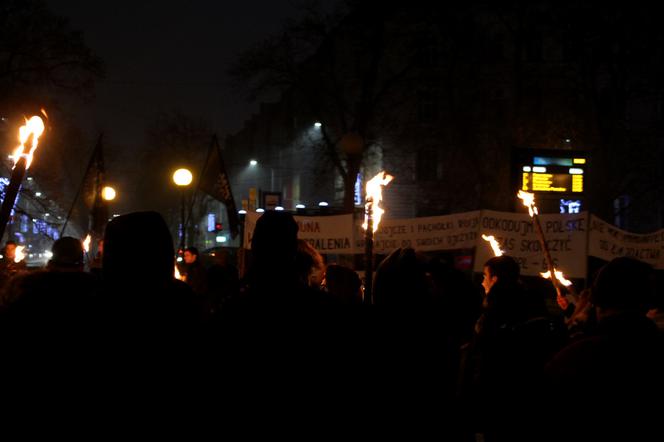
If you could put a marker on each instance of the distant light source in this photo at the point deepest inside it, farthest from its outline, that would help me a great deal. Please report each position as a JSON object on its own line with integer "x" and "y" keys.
{"x": 182, "y": 177}
{"x": 567, "y": 140}
{"x": 259, "y": 210}
{"x": 539, "y": 169}
{"x": 575, "y": 171}
{"x": 300, "y": 206}
{"x": 29, "y": 178}
{"x": 38, "y": 193}
{"x": 48, "y": 254}
{"x": 221, "y": 239}
{"x": 46, "y": 214}
{"x": 115, "y": 215}
{"x": 253, "y": 162}
{"x": 242, "y": 212}
{"x": 108, "y": 193}
{"x": 526, "y": 168}
{"x": 318, "y": 124}
{"x": 323, "y": 204}
{"x": 179, "y": 259}
{"x": 279, "y": 208}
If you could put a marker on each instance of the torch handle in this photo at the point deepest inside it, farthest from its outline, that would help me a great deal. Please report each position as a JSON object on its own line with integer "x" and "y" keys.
{"x": 368, "y": 247}
{"x": 547, "y": 255}
{"x": 10, "y": 193}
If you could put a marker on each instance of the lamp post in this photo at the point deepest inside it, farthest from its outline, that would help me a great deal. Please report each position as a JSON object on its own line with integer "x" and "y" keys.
{"x": 182, "y": 178}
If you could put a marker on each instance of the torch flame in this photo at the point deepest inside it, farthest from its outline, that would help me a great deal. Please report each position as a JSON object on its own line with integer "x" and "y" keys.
{"x": 19, "y": 255}
{"x": 33, "y": 127}
{"x": 559, "y": 276}
{"x": 494, "y": 244}
{"x": 177, "y": 275}
{"x": 374, "y": 192}
{"x": 529, "y": 202}
{"x": 86, "y": 243}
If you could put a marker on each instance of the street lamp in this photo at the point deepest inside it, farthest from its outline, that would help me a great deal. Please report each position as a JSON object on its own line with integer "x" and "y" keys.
{"x": 108, "y": 193}
{"x": 182, "y": 178}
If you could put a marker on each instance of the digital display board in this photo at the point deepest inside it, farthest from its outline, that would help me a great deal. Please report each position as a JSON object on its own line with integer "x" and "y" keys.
{"x": 553, "y": 175}
{"x": 552, "y": 182}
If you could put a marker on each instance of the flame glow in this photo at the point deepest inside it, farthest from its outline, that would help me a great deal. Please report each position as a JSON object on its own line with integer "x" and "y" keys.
{"x": 19, "y": 255}
{"x": 374, "y": 192}
{"x": 528, "y": 201}
{"x": 494, "y": 244}
{"x": 35, "y": 127}
{"x": 86, "y": 243}
{"x": 559, "y": 276}
{"x": 108, "y": 193}
{"x": 177, "y": 275}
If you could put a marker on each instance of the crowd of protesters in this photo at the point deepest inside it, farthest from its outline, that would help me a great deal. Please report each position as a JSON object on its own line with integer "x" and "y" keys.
{"x": 434, "y": 353}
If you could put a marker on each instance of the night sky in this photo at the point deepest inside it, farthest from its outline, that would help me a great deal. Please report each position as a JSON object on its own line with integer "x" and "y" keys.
{"x": 163, "y": 56}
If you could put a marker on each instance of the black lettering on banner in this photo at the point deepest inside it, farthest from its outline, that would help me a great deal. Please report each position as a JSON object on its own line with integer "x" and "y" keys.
{"x": 433, "y": 227}
{"x": 434, "y": 241}
{"x": 308, "y": 226}
{"x": 329, "y": 243}
{"x": 453, "y": 240}
{"x": 554, "y": 226}
{"x": 575, "y": 225}
{"x": 393, "y": 230}
{"x": 469, "y": 223}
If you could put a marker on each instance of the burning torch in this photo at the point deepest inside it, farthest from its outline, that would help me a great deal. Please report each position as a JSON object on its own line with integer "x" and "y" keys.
{"x": 30, "y": 132}
{"x": 372, "y": 216}
{"x": 558, "y": 279}
{"x": 86, "y": 246}
{"x": 494, "y": 244}
{"x": 19, "y": 255}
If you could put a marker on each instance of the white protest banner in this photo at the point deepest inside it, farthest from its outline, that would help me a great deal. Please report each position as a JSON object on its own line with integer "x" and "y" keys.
{"x": 606, "y": 242}
{"x": 327, "y": 234}
{"x": 446, "y": 232}
{"x": 565, "y": 236}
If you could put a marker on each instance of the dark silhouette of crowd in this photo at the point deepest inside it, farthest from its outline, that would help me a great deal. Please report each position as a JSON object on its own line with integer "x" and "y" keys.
{"x": 294, "y": 339}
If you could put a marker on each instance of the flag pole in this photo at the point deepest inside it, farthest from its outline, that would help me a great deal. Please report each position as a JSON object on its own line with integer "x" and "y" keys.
{"x": 200, "y": 176}
{"x": 80, "y": 188}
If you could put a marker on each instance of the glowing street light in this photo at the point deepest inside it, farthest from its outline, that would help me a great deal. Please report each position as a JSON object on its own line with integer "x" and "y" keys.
{"x": 253, "y": 162}
{"x": 108, "y": 193}
{"x": 182, "y": 177}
